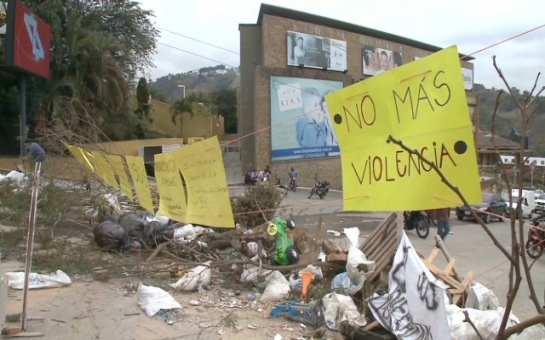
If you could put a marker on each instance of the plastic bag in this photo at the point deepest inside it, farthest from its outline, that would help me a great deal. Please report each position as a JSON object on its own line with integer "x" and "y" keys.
{"x": 487, "y": 322}
{"x": 153, "y": 299}
{"x": 185, "y": 232}
{"x": 111, "y": 236}
{"x": 195, "y": 278}
{"x": 158, "y": 218}
{"x": 16, "y": 280}
{"x": 356, "y": 258}
{"x": 530, "y": 333}
{"x": 342, "y": 281}
{"x": 251, "y": 274}
{"x": 277, "y": 288}
{"x": 338, "y": 308}
{"x": 482, "y": 298}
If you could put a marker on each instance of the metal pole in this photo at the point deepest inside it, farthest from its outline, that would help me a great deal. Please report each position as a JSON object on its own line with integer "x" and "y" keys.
{"x": 30, "y": 239}
{"x": 22, "y": 113}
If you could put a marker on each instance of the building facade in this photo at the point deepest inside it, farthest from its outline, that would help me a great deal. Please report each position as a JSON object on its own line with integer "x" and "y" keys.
{"x": 289, "y": 60}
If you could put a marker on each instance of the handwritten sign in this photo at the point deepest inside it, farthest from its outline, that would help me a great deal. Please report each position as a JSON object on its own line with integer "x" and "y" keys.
{"x": 79, "y": 156}
{"x": 204, "y": 173}
{"x": 169, "y": 183}
{"x": 414, "y": 307}
{"x": 103, "y": 169}
{"x": 118, "y": 166}
{"x": 140, "y": 181}
{"x": 423, "y": 104}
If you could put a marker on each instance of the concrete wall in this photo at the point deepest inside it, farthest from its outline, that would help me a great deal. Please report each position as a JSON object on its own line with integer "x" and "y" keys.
{"x": 254, "y": 98}
{"x": 250, "y": 56}
{"x": 196, "y": 126}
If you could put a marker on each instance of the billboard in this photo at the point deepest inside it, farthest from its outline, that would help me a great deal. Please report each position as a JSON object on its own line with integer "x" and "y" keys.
{"x": 467, "y": 74}
{"x": 28, "y": 37}
{"x": 378, "y": 60}
{"x": 300, "y": 123}
{"x": 316, "y": 52}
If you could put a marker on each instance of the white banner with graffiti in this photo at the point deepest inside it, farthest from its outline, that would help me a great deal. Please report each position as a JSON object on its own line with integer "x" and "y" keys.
{"x": 414, "y": 307}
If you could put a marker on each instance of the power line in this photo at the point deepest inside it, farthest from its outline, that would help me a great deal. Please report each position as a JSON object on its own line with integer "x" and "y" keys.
{"x": 197, "y": 55}
{"x": 202, "y": 42}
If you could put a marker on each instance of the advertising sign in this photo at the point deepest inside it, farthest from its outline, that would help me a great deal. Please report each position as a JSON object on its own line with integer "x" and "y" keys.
{"x": 378, "y": 60}
{"x": 301, "y": 124}
{"x": 467, "y": 75}
{"x": 316, "y": 52}
{"x": 28, "y": 40}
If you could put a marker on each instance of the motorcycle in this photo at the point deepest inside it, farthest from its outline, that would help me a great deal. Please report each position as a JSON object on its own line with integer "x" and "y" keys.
{"x": 536, "y": 239}
{"x": 321, "y": 188}
{"x": 292, "y": 186}
{"x": 417, "y": 220}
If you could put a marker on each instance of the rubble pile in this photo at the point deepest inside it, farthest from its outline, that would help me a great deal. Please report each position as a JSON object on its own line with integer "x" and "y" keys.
{"x": 380, "y": 289}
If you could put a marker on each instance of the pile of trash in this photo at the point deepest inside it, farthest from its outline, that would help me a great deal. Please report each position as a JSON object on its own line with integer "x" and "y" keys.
{"x": 404, "y": 296}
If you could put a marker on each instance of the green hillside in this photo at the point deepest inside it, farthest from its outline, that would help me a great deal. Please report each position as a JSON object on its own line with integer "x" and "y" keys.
{"x": 205, "y": 80}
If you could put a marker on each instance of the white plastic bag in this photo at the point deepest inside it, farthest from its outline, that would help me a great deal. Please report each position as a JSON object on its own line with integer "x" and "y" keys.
{"x": 487, "y": 322}
{"x": 195, "y": 278}
{"x": 482, "y": 298}
{"x": 153, "y": 299}
{"x": 251, "y": 274}
{"x": 277, "y": 288}
{"x": 338, "y": 308}
{"x": 355, "y": 258}
{"x": 36, "y": 281}
{"x": 185, "y": 232}
{"x": 159, "y": 218}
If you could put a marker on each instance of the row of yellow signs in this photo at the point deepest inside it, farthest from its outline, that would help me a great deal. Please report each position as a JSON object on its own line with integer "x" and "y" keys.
{"x": 191, "y": 181}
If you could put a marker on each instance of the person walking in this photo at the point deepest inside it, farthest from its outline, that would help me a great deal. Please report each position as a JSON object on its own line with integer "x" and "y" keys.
{"x": 442, "y": 216}
{"x": 35, "y": 152}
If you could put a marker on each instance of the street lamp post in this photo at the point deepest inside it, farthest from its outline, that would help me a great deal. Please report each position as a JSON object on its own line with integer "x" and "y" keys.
{"x": 183, "y": 87}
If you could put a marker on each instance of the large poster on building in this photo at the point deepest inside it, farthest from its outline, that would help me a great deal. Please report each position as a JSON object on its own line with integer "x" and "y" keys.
{"x": 301, "y": 126}
{"x": 378, "y": 60}
{"x": 317, "y": 52}
{"x": 466, "y": 73}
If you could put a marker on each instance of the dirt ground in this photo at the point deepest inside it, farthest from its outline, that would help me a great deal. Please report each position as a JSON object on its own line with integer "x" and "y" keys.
{"x": 99, "y": 310}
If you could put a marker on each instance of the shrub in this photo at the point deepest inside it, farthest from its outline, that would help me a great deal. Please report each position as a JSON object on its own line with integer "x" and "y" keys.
{"x": 247, "y": 208}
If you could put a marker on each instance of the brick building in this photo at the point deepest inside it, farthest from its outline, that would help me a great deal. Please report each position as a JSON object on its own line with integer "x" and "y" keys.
{"x": 277, "y": 79}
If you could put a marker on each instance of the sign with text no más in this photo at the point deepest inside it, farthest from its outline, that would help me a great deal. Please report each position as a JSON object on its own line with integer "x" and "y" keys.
{"x": 423, "y": 104}
{"x": 28, "y": 38}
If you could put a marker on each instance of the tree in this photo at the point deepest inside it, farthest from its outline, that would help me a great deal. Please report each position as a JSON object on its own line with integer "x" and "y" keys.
{"x": 226, "y": 103}
{"x": 96, "y": 52}
{"x": 143, "y": 99}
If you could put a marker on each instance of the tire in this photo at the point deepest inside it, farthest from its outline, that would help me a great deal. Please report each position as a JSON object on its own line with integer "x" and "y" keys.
{"x": 460, "y": 217}
{"x": 530, "y": 215}
{"x": 533, "y": 250}
{"x": 422, "y": 228}
{"x": 312, "y": 191}
{"x": 502, "y": 216}
{"x": 487, "y": 219}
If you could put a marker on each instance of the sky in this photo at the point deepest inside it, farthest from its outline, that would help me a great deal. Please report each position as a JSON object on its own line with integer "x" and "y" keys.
{"x": 472, "y": 25}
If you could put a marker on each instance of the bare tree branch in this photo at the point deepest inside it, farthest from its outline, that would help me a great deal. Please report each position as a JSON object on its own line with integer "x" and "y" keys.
{"x": 455, "y": 190}
{"x": 468, "y": 320}
{"x": 533, "y": 89}
{"x": 506, "y": 83}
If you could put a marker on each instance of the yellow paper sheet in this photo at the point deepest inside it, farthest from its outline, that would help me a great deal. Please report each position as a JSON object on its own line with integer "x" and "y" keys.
{"x": 140, "y": 181}
{"x": 78, "y": 155}
{"x": 424, "y": 105}
{"x": 172, "y": 201}
{"x": 103, "y": 169}
{"x": 208, "y": 196}
{"x": 118, "y": 165}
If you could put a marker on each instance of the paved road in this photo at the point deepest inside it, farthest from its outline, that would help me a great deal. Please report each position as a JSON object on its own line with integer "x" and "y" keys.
{"x": 469, "y": 244}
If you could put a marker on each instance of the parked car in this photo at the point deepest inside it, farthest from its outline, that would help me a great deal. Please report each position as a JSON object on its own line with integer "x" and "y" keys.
{"x": 528, "y": 202}
{"x": 491, "y": 203}
{"x": 540, "y": 204}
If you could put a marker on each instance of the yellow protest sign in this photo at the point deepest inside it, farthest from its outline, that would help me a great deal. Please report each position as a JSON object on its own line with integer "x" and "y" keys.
{"x": 140, "y": 181}
{"x": 103, "y": 169}
{"x": 422, "y": 104}
{"x": 78, "y": 155}
{"x": 204, "y": 173}
{"x": 170, "y": 186}
{"x": 118, "y": 166}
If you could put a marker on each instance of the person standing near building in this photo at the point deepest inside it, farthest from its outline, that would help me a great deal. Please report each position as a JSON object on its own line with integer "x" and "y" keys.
{"x": 442, "y": 216}
{"x": 35, "y": 151}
